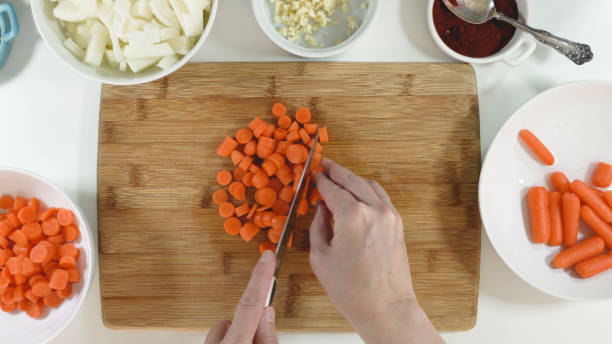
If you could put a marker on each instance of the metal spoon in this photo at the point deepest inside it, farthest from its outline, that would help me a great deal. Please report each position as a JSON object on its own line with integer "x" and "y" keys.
{"x": 481, "y": 11}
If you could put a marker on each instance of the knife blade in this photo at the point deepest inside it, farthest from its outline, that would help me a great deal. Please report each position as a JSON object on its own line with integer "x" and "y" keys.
{"x": 291, "y": 217}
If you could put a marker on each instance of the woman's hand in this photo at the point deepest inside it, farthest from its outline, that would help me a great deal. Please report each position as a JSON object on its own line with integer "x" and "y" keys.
{"x": 252, "y": 322}
{"x": 359, "y": 255}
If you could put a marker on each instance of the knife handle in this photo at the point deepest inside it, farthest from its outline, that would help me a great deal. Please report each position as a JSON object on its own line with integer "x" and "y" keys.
{"x": 271, "y": 291}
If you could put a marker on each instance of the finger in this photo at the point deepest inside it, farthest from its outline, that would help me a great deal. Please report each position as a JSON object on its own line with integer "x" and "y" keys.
{"x": 217, "y": 332}
{"x": 351, "y": 182}
{"x": 380, "y": 192}
{"x": 251, "y": 305}
{"x": 266, "y": 332}
{"x": 321, "y": 231}
{"x": 336, "y": 198}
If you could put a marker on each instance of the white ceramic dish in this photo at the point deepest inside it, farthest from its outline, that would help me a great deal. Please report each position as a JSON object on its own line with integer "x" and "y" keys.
{"x": 50, "y": 31}
{"x": 574, "y": 122}
{"x": 17, "y": 327}
{"x": 264, "y": 14}
{"x": 520, "y": 47}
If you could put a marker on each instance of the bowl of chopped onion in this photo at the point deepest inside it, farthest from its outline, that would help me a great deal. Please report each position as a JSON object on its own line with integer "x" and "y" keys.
{"x": 315, "y": 28}
{"x": 124, "y": 42}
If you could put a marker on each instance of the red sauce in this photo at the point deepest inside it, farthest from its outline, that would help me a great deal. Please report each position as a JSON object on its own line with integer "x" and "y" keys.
{"x": 474, "y": 40}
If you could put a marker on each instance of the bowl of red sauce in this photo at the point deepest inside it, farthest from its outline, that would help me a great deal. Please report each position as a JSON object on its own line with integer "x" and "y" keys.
{"x": 483, "y": 43}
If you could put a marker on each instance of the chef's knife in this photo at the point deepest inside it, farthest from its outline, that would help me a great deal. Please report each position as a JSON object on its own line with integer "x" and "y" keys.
{"x": 290, "y": 223}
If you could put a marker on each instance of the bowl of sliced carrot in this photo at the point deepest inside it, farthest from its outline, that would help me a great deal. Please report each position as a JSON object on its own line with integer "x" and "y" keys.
{"x": 546, "y": 192}
{"x": 47, "y": 258}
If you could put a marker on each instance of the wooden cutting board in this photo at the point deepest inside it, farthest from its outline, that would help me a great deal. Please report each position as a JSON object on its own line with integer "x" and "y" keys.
{"x": 165, "y": 260}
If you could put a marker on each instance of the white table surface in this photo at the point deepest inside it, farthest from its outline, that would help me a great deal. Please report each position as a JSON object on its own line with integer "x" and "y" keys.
{"x": 49, "y": 124}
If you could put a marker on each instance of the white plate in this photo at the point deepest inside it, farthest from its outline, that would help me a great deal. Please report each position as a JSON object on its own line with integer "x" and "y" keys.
{"x": 575, "y": 122}
{"x": 17, "y": 327}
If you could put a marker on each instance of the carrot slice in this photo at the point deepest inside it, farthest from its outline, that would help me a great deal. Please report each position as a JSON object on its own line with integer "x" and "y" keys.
{"x": 292, "y": 137}
{"x": 266, "y": 218}
{"x": 278, "y": 221}
{"x": 33, "y": 231}
{"x": 537, "y": 198}
{"x": 294, "y": 127}
{"x": 560, "y": 182}
{"x": 266, "y": 245}
{"x": 52, "y": 300}
{"x": 69, "y": 250}
{"x": 281, "y": 207}
{"x": 250, "y": 148}
{"x": 302, "y": 207}
{"x": 571, "y": 218}
{"x": 593, "y": 266}
{"x": 27, "y": 215}
{"x": 19, "y": 237}
{"x": 220, "y": 196}
{"x": 252, "y": 211}
{"x": 30, "y": 296}
{"x": 279, "y": 109}
{"x": 35, "y": 310}
{"x": 244, "y": 135}
{"x": 5, "y": 254}
{"x": 14, "y": 220}
{"x": 3, "y": 243}
{"x": 6, "y": 201}
{"x": 260, "y": 180}
{"x": 265, "y": 197}
{"x": 585, "y": 249}
{"x": 297, "y": 154}
{"x": 588, "y": 196}
{"x": 65, "y": 217}
{"x": 67, "y": 262}
{"x": 19, "y": 203}
{"x": 246, "y": 163}
{"x": 281, "y": 147}
{"x": 232, "y": 225}
{"x": 226, "y": 147}
{"x": 260, "y": 129}
{"x": 45, "y": 215}
{"x": 70, "y": 233}
{"x": 280, "y": 134}
{"x": 536, "y": 147}
{"x": 304, "y": 136}
{"x": 311, "y": 128}
{"x": 323, "y": 136}
{"x": 285, "y": 175}
{"x": 41, "y": 289}
{"x": 34, "y": 203}
{"x": 318, "y": 148}
{"x": 284, "y": 122}
{"x": 303, "y": 115}
{"x": 238, "y": 190}
{"x": 269, "y": 167}
{"x": 609, "y": 198}
{"x": 59, "y": 279}
{"x": 236, "y": 157}
{"x": 556, "y": 224}
{"x": 255, "y": 123}
{"x": 243, "y": 210}
{"x": 224, "y": 177}
{"x": 74, "y": 275}
{"x": 265, "y": 147}
{"x": 51, "y": 227}
{"x": 315, "y": 196}
{"x": 598, "y": 225}
{"x": 277, "y": 159}
{"x": 248, "y": 231}
{"x": 603, "y": 175}
{"x": 274, "y": 234}
{"x": 41, "y": 254}
{"x": 226, "y": 209}
{"x": 269, "y": 132}
{"x": 286, "y": 193}
{"x": 247, "y": 179}
{"x": 64, "y": 293}
{"x": 275, "y": 185}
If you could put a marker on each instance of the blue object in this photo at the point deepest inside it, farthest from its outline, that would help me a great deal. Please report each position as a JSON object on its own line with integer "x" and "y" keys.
{"x": 9, "y": 28}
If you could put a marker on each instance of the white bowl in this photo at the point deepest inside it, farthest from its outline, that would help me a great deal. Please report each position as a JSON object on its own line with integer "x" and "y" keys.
{"x": 50, "y": 31}
{"x": 263, "y": 14}
{"x": 520, "y": 47}
{"x": 574, "y": 122}
{"x": 17, "y": 327}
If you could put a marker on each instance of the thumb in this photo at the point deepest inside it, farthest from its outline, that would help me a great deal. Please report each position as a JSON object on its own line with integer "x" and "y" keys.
{"x": 266, "y": 332}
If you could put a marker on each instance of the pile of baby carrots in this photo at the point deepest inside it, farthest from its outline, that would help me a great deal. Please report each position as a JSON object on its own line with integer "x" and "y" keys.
{"x": 38, "y": 261}
{"x": 269, "y": 160}
{"x": 555, "y": 215}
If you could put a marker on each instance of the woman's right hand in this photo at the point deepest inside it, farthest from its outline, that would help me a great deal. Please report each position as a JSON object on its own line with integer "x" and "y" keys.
{"x": 359, "y": 255}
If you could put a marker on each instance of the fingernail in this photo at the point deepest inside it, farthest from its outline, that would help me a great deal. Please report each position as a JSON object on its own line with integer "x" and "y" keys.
{"x": 270, "y": 314}
{"x": 266, "y": 256}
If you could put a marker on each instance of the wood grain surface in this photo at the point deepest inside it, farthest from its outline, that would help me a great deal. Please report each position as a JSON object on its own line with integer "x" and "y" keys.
{"x": 165, "y": 260}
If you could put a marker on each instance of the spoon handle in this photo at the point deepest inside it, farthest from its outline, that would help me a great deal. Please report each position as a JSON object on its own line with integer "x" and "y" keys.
{"x": 577, "y": 52}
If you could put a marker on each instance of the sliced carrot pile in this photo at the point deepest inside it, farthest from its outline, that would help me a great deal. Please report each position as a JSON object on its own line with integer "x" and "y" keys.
{"x": 555, "y": 216}
{"x": 268, "y": 160}
{"x": 38, "y": 261}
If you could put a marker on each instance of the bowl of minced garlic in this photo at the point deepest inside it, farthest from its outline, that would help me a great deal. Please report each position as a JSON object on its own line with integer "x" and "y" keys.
{"x": 315, "y": 28}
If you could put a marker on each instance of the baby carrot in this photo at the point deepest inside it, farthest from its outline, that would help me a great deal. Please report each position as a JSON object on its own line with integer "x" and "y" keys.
{"x": 583, "y": 250}
{"x": 556, "y": 224}
{"x": 226, "y": 147}
{"x": 238, "y": 190}
{"x": 537, "y": 198}
{"x": 243, "y": 210}
{"x": 220, "y": 196}
{"x": 571, "y": 218}
{"x": 303, "y": 115}
{"x": 265, "y": 197}
{"x": 232, "y": 226}
{"x": 560, "y": 182}
{"x": 250, "y": 148}
{"x": 593, "y": 266}
{"x": 588, "y": 196}
{"x": 248, "y": 231}
{"x": 244, "y": 135}
{"x": 598, "y": 225}
{"x": 536, "y": 147}
{"x": 279, "y": 109}
{"x": 226, "y": 209}
{"x": 603, "y": 175}
{"x": 224, "y": 177}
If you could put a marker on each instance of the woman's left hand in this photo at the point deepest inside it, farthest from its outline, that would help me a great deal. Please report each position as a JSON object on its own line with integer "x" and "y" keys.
{"x": 253, "y": 322}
